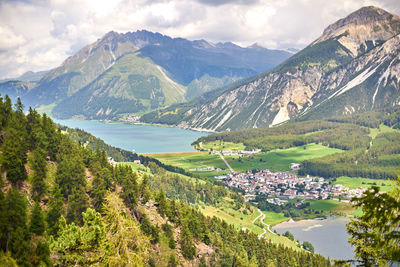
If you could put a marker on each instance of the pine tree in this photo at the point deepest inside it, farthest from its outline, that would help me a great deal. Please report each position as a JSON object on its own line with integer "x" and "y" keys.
{"x": 56, "y": 209}
{"x": 187, "y": 246}
{"x": 18, "y": 121}
{"x": 52, "y": 135}
{"x": 36, "y": 136}
{"x": 130, "y": 191}
{"x": 77, "y": 203}
{"x": 101, "y": 184}
{"x": 43, "y": 253}
{"x": 375, "y": 235}
{"x": 70, "y": 174}
{"x": 13, "y": 157}
{"x": 161, "y": 203}
{"x": 6, "y": 111}
{"x": 38, "y": 165}
{"x": 37, "y": 225}
{"x": 152, "y": 231}
{"x": 144, "y": 190}
{"x": 17, "y": 232}
{"x": 3, "y": 222}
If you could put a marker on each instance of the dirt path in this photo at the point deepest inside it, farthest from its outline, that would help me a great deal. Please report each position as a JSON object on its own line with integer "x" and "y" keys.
{"x": 226, "y": 163}
{"x": 262, "y": 221}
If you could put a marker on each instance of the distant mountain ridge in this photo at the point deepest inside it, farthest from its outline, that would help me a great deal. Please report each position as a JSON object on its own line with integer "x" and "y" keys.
{"x": 354, "y": 66}
{"x": 29, "y": 76}
{"x": 139, "y": 71}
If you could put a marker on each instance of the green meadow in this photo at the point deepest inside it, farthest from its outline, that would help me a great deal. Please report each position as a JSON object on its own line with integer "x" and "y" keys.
{"x": 193, "y": 160}
{"x": 276, "y": 160}
{"x": 221, "y": 145}
{"x": 280, "y": 159}
{"x": 273, "y": 218}
{"x": 373, "y": 132}
{"x": 189, "y": 160}
{"x": 334, "y": 206}
{"x": 354, "y": 182}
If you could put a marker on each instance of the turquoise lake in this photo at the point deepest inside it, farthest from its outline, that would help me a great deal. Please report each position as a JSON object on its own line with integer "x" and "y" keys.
{"x": 141, "y": 138}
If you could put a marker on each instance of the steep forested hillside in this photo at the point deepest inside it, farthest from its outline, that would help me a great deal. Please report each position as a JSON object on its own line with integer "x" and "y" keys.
{"x": 62, "y": 203}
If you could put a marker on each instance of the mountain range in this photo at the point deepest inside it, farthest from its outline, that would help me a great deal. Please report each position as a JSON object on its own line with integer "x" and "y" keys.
{"x": 353, "y": 66}
{"x": 140, "y": 71}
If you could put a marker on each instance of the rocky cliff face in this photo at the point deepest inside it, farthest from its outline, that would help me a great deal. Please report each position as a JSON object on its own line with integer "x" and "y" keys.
{"x": 363, "y": 29}
{"x": 353, "y": 66}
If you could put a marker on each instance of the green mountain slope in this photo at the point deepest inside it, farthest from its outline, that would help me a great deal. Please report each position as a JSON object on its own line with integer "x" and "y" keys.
{"x": 79, "y": 70}
{"x": 133, "y": 84}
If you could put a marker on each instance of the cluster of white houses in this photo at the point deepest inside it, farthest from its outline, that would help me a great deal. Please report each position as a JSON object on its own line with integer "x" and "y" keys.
{"x": 285, "y": 185}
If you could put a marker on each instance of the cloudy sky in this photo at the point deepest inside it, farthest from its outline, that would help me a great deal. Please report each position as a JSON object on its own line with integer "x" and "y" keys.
{"x": 38, "y": 34}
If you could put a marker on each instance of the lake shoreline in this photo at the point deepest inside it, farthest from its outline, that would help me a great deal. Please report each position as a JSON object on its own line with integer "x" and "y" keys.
{"x": 317, "y": 231}
{"x": 305, "y": 220}
{"x": 202, "y": 130}
{"x": 140, "y": 123}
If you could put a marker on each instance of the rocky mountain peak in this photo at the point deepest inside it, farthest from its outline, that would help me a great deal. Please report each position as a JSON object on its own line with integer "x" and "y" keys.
{"x": 363, "y": 29}
{"x": 110, "y": 35}
{"x": 363, "y": 16}
{"x": 256, "y": 46}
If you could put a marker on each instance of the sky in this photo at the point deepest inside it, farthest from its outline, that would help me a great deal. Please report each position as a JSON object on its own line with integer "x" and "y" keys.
{"x": 38, "y": 35}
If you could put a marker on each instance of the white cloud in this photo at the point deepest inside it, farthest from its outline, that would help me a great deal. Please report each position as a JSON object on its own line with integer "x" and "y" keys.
{"x": 38, "y": 35}
{"x": 9, "y": 39}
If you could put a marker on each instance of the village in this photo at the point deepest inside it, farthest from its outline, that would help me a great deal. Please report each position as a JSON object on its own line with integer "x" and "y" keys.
{"x": 283, "y": 186}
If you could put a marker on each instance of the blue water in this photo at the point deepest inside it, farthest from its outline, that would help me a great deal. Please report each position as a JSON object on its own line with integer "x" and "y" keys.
{"x": 141, "y": 138}
{"x": 328, "y": 236}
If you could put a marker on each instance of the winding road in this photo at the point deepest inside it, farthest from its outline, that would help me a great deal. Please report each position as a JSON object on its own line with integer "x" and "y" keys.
{"x": 262, "y": 221}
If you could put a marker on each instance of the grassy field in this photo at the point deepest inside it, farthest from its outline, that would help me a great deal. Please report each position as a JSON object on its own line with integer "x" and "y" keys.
{"x": 193, "y": 160}
{"x": 231, "y": 216}
{"x": 382, "y": 129}
{"x": 189, "y": 160}
{"x": 280, "y": 159}
{"x": 332, "y": 206}
{"x": 136, "y": 167}
{"x": 240, "y": 221}
{"x": 354, "y": 182}
{"x": 277, "y": 160}
{"x": 210, "y": 174}
{"x": 273, "y": 218}
{"x": 221, "y": 145}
